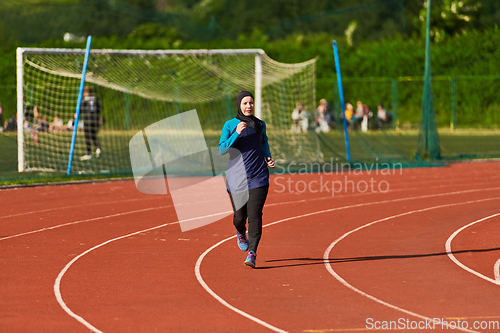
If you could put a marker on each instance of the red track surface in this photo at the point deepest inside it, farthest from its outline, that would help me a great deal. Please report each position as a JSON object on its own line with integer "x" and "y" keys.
{"x": 395, "y": 268}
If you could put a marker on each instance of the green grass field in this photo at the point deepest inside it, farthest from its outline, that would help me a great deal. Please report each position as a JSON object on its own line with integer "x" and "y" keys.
{"x": 48, "y": 160}
{"x": 401, "y": 145}
{"x": 57, "y": 158}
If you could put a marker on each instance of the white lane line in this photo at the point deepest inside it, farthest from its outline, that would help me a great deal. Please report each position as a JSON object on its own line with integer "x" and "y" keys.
{"x": 267, "y": 205}
{"x": 328, "y": 265}
{"x": 197, "y": 270}
{"x": 198, "y": 263}
{"x": 68, "y": 207}
{"x": 157, "y": 197}
{"x": 57, "y": 284}
{"x": 226, "y": 304}
{"x": 386, "y": 201}
{"x": 468, "y": 269}
{"x": 496, "y": 270}
{"x": 82, "y": 221}
{"x": 220, "y": 299}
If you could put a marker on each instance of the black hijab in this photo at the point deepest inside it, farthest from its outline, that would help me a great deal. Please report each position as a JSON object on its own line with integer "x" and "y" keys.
{"x": 251, "y": 121}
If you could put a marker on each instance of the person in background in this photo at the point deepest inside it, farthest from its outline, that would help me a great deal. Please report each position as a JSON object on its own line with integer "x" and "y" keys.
{"x": 91, "y": 112}
{"x": 383, "y": 116}
{"x": 71, "y": 124}
{"x": 43, "y": 125}
{"x": 11, "y": 124}
{"x": 349, "y": 112}
{"x": 358, "y": 114}
{"x": 300, "y": 119}
{"x": 362, "y": 116}
{"x": 31, "y": 130}
{"x": 31, "y": 113}
{"x": 323, "y": 117}
{"x": 57, "y": 124}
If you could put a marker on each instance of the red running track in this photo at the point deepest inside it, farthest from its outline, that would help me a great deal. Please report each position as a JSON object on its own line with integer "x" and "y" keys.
{"x": 105, "y": 258}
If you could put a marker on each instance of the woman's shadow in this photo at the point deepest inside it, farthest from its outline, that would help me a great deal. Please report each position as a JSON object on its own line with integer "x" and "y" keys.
{"x": 295, "y": 262}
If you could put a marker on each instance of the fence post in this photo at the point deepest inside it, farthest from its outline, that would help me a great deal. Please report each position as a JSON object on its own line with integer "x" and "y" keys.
{"x": 341, "y": 95}
{"x": 78, "y": 104}
{"x": 453, "y": 124}
{"x": 395, "y": 104}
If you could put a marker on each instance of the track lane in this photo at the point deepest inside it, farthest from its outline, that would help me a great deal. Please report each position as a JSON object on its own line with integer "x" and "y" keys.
{"x": 190, "y": 300}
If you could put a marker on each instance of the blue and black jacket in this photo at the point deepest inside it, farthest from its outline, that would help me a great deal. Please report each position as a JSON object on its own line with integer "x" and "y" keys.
{"x": 254, "y": 150}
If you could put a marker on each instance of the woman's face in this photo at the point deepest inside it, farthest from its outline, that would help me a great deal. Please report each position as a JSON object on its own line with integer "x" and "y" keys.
{"x": 246, "y": 106}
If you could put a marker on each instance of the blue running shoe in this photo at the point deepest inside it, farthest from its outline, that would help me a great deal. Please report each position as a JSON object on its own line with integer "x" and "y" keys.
{"x": 251, "y": 259}
{"x": 242, "y": 241}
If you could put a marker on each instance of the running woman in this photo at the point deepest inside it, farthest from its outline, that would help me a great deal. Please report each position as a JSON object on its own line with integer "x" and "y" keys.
{"x": 247, "y": 134}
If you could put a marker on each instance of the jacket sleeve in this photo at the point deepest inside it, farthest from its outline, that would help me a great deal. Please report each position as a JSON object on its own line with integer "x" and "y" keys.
{"x": 227, "y": 138}
{"x": 265, "y": 144}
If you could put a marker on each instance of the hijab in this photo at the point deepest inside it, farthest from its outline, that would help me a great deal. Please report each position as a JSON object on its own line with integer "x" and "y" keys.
{"x": 251, "y": 121}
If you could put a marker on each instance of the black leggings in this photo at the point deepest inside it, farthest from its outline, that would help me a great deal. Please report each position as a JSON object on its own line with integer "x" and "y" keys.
{"x": 253, "y": 210}
{"x": 91, "y": 127}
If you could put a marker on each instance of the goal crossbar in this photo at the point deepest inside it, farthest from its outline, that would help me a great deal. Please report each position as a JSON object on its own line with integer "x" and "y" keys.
{"x": 142, "y": 86}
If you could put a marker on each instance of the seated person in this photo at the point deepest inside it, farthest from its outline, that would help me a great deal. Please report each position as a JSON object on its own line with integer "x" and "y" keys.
{"x": 11, "y": 123}
{"x": 359, "y": 113}
{"x": 28, "y": 129}
{"x": 70, "y": 125}
{"x": 27, "y": 126}
{"x": 349, "y": 113}
{"x": 362, "y": 115}
{"x": 42, "y": 124}
{"x": 57, "y": 124}
{"x": 383, "y": 116}
{"x": 323, "y": 117}
{"x": 30, "y": 113}
{"x": 300, "y": 119}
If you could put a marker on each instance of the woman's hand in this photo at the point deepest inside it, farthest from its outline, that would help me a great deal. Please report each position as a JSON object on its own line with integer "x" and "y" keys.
{"x": 270, "y": 162}
{"x": 241, "y": 126}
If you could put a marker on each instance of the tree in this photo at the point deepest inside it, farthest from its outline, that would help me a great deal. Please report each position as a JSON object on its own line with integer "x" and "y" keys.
{"x": 449, "y": 18}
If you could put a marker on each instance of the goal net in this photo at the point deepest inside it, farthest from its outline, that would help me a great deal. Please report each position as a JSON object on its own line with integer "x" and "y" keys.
{"x": 136, "y": 88}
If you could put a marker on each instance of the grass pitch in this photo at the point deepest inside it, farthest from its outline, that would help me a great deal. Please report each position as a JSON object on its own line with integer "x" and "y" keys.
{"x": 47, "y": 160}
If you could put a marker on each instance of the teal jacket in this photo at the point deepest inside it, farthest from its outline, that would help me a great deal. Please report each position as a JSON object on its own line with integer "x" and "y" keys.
{"x": 254, "y": 149}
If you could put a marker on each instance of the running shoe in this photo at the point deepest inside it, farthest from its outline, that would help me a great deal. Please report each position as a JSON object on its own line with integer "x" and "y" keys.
{"x": 242, "y": 241}
{"x": 251, "y": 259}
{"x": 85, "y": 157}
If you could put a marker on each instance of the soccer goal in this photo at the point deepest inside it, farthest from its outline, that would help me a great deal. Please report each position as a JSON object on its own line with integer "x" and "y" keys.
{"x": 136, "y": 88}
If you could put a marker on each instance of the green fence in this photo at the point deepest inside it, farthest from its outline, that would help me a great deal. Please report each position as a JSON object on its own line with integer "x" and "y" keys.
{"x": 460, "y": 102}
{"x": 466, "y": 110}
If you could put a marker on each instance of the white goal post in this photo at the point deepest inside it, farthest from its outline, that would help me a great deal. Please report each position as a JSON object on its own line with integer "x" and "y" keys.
{"x": 138, "y": 87}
